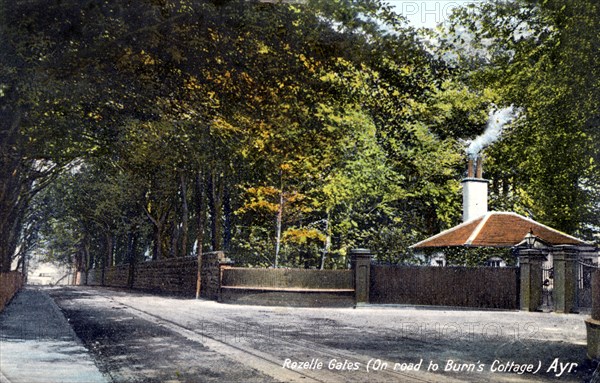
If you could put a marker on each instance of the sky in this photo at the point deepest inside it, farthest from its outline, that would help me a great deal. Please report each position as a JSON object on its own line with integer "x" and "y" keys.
{"x": 427, "y": 13}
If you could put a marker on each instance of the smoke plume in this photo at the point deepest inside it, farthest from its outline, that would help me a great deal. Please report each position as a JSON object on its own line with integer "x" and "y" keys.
{"x": 497, "y": 119}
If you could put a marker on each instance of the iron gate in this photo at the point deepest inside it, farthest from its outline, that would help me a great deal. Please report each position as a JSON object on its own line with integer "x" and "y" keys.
{"x": 584, "y": 283}
{"x": 547, "y": 287}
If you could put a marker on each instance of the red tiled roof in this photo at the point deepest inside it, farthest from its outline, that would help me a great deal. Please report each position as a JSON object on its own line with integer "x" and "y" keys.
{"x": 497, "y": 229}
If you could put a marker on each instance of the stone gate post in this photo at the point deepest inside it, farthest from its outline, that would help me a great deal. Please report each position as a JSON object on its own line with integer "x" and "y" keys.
{"x": 361, "y": 264}
{"x": 210, "y": 274}
{"x": 530, "y": 264}
{"x": 565, "y": 279}
{"x": 592, "y": 324}
{"x": 596, "y": 295}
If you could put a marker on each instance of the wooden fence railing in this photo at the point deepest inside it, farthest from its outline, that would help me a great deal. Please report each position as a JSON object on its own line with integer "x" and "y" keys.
{"x": 482, "y": 287}
{"x": 10, "y": 283}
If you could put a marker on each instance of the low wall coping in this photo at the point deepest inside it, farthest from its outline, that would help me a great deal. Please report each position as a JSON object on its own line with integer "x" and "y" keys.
{"x": 292, "y": 289}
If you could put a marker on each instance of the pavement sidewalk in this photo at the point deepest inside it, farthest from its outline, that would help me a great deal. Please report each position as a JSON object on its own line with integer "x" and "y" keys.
{"x": 37, "y": 344}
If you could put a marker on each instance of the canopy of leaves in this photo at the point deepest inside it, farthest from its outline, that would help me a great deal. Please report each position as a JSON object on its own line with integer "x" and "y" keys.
{"x": 291, "y": 131}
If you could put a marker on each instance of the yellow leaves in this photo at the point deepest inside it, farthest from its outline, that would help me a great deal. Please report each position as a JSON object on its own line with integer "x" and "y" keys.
{"x": 295, "y": 198}
{"x": 295, "y": 9}
{"x": 223, "y": 126}
{"x": 308, "y": 64}
{"x": 142, "y": 57}
{"x": 262, "y": 191}
{"x": 245, "y": 77}
{"x": 302, "y": 236}
{"x": 406, "y": 69}
{"x": 261, "y": 199}
{"x": 192, "y": 84}
{"x": 329, "y": 77}
{"x": 116, "y": 105}
{"x": 94, "y": 116}
{"x": 343, "y": 62}
{"x": 325, "y": 108}
{"x": 214, "y": 36}
{"x": 212, "y": 96}
{"x": 263, "y": 48}
{"x": 146, "y": 58}
{"x": 259, "y": 205}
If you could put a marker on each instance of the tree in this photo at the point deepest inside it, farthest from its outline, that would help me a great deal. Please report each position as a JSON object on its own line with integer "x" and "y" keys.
{"x": 304, "y": 128}
{"x": 541, "y": 57}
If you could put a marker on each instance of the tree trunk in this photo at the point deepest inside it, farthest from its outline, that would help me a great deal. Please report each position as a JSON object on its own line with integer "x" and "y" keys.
{"x": 185, "y": 212}
{"x": 159, "y": 224}
{"x": 157, "y": 249}
{"x": 200, "y": 216}
{"x": 109, "y": 250}
{"x": 13, "y": 207}
{"x": 10, "y": 181}
{"x": 87, "y": 260}
{"x": 327, "y": 240}
{"x": 131, "y": 255}
{"x": 279, "y": 221}
{"x": 175, "y": 240}
{"x": 216, "y": 210}
{"x": 228, "y": 215}
{"x": 278, "y": 234}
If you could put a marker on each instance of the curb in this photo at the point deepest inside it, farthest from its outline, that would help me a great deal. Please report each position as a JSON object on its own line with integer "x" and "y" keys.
{"x": 3, "y": 379}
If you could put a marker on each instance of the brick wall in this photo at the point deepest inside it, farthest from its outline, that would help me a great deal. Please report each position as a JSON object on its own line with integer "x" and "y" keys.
{"x": 10, "y": 283}
{"x": 484, "y": 287}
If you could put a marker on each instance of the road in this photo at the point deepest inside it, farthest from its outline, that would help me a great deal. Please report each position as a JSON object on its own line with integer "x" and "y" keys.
{"x": 137, "y": 337}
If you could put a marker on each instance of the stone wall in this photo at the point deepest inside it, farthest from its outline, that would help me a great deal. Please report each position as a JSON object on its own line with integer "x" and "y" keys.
{"x": 176, "y": 276}
{"x": 10, "y": 283}
{"x": 172, "y": 276}
{"x": 116, "y": 276}
{"x": 483, "y": 287}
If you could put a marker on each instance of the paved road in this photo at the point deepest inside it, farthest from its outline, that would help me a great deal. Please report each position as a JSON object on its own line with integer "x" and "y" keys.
{"x": 141, "y": 338}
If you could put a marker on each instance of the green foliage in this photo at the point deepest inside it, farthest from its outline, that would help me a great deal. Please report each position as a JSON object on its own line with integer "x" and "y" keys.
{"x": 542, "y": 57}
{"x": 477, "y": 256}
{"x": 286, "y": 133}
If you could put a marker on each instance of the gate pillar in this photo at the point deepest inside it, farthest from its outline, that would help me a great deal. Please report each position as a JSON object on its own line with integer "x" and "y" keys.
{"x": 593, "y": 324}
{"x": 530, "y": 264}
{"x": 361, "y": 264}
{"x": 565, "y": 279}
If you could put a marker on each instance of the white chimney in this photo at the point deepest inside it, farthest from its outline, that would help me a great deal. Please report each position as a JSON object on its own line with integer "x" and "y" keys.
{"x": 475, "y": 190}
